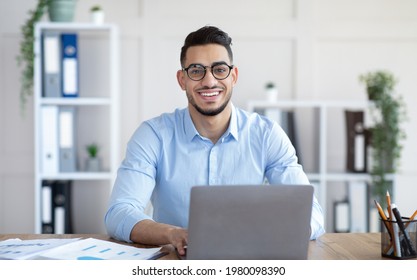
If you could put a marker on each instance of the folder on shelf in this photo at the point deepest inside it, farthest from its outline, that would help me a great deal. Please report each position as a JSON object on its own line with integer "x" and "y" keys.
{"x": 69, "y": 65}
{"x": 46, "y": 207}
{"x": 67, "y": 153}
{"x": 62, "y": 207}
{"x": 356, "y": 141}
{"x": 49, "y": 140}
{"x": 51, "y": 64}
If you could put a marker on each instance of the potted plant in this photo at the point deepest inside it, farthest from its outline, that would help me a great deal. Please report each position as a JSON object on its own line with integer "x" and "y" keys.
{"x": 93, "y": 163}
{"x": 97, "y": 14}
{"x": 59, "y": 10}
{"x": 387, "y": 112}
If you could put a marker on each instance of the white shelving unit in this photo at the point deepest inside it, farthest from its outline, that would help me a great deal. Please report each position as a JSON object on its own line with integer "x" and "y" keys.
{"x": 323, "y": 173}
{"x": 97, "y": 107}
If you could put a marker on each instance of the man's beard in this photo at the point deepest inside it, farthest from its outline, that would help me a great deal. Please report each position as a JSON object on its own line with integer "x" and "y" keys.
{"x": 210, "y": 112}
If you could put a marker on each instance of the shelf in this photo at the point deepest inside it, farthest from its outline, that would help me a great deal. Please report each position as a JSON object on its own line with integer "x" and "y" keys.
{"x": 76, "y": 101}
{"x": 78, "y": 176}
{"x": 75, "y": 26}
{"x": 264, "y": 104}
{"x": 316, "y": 122}
{"x": 96, "y": 119}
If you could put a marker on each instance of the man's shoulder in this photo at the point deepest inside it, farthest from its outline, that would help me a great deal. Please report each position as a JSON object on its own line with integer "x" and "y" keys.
{"x": 253, "y": 119}
{"x": 167, "y": 119}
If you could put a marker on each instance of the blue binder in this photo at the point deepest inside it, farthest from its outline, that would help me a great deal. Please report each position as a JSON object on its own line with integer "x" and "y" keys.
{"x": 70, "y": 67}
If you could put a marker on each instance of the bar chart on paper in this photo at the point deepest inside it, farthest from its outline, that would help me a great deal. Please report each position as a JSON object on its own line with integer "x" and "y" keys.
{"x": 95, "y": 249}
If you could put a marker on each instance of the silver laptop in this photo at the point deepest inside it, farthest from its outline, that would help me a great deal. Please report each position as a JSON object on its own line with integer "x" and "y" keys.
{"x": 249, "y": 222}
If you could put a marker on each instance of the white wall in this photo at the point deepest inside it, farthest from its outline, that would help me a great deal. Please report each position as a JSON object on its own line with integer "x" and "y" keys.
{"x": 311, "y": 49}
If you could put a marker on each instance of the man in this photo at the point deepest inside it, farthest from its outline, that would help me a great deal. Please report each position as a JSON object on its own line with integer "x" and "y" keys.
{"x": 210, "y": 142}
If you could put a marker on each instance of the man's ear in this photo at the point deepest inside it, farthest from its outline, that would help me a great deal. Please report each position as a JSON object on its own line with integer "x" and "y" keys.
{"x": 180, "y": 79}
{"x": 235, "y": 75}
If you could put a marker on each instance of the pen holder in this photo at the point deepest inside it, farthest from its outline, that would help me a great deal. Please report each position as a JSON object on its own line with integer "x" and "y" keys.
{"x": 399, "y": 239}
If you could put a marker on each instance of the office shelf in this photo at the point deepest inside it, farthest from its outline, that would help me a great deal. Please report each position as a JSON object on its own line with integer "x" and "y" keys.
{"x": 320, "y": 171}
{"x": 97, "y": 105}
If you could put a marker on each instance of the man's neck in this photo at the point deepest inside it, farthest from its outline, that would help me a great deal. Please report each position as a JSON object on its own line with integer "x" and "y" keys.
{"x": 211, "y": 127}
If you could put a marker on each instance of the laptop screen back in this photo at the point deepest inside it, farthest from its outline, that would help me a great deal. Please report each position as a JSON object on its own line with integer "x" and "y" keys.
{"x": 249, "y": 222}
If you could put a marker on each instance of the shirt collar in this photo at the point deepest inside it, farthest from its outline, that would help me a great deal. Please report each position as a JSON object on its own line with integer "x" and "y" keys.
{"x": 191, "y": 131}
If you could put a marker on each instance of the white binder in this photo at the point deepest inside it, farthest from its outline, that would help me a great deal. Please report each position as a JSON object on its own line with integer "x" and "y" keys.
{"x": 49, "y": 140}
{"x": 67, "y": 156}
{"x": 46, "y": 200}
{"x": 51, "y": 54}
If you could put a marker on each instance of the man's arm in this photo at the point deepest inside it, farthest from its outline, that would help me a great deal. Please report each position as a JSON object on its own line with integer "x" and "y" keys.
{"x": 153, "y": 233}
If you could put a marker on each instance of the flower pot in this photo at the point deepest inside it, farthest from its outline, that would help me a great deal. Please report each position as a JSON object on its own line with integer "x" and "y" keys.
{"x": 97, "y": 17}
{"x": 93, "y": 165}
{"x": 61, "y": 10}
{"x": 272, "y": 94}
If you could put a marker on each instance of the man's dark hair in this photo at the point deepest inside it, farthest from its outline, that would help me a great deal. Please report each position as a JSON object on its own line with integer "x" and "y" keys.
{"x": 207, "y": 35}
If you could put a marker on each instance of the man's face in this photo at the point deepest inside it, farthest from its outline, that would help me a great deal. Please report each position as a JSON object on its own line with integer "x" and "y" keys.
{"x": 209, "y": 96}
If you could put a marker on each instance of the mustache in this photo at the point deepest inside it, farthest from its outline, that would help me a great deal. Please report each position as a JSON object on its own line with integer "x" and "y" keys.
{"x": 211, "y": 88}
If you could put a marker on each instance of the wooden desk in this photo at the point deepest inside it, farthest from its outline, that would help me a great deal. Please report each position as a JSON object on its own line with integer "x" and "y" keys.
{"x": 330, "y": 246}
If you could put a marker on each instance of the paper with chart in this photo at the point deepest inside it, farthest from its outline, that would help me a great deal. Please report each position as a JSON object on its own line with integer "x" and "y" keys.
{"x": 17, "y": 249}
{"x": 96, "y": 249}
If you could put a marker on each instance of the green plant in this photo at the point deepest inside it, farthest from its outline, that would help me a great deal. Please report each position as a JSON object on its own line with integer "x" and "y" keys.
{"x": 387, "y": 112}
{"x": 92, "y": 150}
{"x": 270, "y": 85}
{"x": 26, "y": 57}
{"x": 95, "y": 8}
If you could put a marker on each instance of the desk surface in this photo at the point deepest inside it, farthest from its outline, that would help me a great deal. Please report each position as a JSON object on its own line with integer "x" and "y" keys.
{"x": 330, "y": 246}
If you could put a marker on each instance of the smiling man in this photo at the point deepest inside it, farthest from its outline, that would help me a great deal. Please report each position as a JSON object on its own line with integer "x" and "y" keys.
{"x": 211, "y": 142}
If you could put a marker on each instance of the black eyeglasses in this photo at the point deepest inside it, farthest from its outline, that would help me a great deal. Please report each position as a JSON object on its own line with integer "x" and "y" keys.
{"x": 197, "y": 72}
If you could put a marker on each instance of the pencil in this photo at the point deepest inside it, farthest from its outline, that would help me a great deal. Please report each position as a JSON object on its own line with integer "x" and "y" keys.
{"x": 381, "y": 211}
{"x": 389, "y": 205}
{"x": 389, "y": 210}
{"x": 411, "y": 218}
{"x": 387, "y": 226}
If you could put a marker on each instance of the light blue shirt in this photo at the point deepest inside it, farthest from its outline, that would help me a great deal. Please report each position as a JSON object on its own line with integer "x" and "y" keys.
{"x": 166, "y": 156}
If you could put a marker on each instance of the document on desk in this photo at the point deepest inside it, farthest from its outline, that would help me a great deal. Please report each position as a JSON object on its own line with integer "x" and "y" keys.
{"x": 96, "y": 249}
{"x": 74, "y": 249}
{"x": 17, "y": 249}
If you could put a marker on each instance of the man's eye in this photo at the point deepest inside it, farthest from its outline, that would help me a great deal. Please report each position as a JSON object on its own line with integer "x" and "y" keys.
{"x": 220, "y": 70}
{"x": 196, "y": 70}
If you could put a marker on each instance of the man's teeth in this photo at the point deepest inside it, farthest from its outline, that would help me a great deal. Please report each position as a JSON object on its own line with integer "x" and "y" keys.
{"x": 208, "y": 94}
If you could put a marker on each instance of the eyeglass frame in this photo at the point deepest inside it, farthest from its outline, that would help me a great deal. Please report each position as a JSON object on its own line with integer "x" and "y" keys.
{"x": 211, "y": 70}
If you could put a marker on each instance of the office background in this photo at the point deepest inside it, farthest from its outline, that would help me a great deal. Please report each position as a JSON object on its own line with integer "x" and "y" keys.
{"x": 312, "y": 50}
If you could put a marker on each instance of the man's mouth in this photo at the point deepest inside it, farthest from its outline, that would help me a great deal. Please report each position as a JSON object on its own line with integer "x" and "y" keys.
{"x": 210, "y": 94}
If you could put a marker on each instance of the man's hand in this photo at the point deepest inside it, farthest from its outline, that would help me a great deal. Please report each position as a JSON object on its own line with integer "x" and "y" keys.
{"x": 179, "y": 238}
{"x": 152, "y": 233}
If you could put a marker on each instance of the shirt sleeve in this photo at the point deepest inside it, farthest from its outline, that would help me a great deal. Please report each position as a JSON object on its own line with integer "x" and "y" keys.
{"x": 134, "y": 184}
{"x": 283, "y": 168}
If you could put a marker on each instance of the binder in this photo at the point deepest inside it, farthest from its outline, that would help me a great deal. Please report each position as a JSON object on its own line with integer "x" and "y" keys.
{"x": 67, "y": 155}
{"x": 356, "y": 141}
{"x": 51, "y": 64}
{"x": 69, "y": 65}
{"x": 62, "y": 207}
{"x": 49, "y": 140}
{"x": 46, "y": 201}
